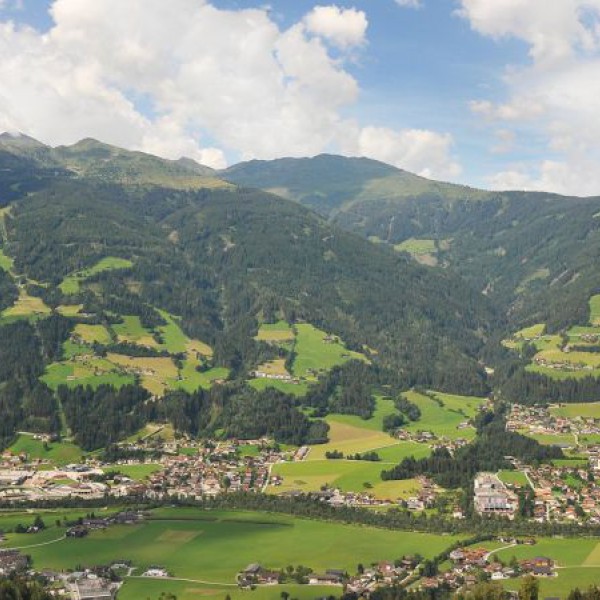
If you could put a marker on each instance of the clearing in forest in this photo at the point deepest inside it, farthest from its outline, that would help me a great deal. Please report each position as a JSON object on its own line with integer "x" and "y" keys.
{"x": 71, "y": 284}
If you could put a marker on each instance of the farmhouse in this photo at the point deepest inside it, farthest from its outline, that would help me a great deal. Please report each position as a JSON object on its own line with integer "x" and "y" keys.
{"x": 11, "y": 561}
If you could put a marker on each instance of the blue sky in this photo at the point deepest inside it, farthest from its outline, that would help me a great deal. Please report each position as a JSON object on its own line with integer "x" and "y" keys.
{"x": 489, "y": 93}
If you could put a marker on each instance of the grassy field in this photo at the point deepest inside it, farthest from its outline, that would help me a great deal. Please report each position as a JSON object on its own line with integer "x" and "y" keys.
{"x": 443, "y": 420}
{"x": 513, "y": 478}
{"x": 416, "y": 247}
{"x": 350, "y": 439}
{"x": 274, "y": 367}
{"x": 73, "y": 375}
{"x": 141, "y": 588}
{"x": 155, "y": 372}
{"x": 26, "y": 306}
{"x": 314, "y": 354}
{"x": 276, "y": 333}
{"x": 295, "y": 389}
{"x": 578, "y": 560}
{"x": 62, "y": 453}
{"x": 69, "y": 310}
{"x": 216, "y": 545}
{"x": 92, "y": 333}
{"x": 347, "y": 475}
{"x": 548, "y": 439}
{"x": 72, "y": 283}
{"x": 587, "y": 410}
{"x": 595, "y": 310}
{"x": 6, "y": 262}
{"x": 137, "y": 472}
{"x": 132, "y": 331}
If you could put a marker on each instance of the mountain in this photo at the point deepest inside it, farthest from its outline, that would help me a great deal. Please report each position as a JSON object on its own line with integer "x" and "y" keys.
{"x": 92, "y": 159}
{"x": 533, "y": 254}
{"x": 111, "y": 247}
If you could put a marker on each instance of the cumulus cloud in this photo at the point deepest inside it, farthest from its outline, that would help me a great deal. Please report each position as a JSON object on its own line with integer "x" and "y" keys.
{"x": 556, "y": 95}
{"x": 426, "y": 153}
{"x": 186, "y": 78}
{"x": 342, "y": 27}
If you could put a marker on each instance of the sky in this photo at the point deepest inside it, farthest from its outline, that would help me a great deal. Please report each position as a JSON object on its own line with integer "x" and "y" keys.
{"x": 499, "y": 94}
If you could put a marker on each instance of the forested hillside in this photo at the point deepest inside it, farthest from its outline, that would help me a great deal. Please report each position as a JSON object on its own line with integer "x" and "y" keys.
{"x": 154, "y": 273}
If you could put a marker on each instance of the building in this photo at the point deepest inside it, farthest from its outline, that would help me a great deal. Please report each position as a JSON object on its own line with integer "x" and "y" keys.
{"x": 492, "y": 497}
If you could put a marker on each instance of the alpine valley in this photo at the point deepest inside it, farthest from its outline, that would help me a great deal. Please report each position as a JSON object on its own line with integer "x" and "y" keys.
{"x": 302, "y": 346}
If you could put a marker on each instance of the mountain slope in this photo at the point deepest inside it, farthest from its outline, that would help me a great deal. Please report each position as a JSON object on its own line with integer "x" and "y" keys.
{"x": 533, "y": 254}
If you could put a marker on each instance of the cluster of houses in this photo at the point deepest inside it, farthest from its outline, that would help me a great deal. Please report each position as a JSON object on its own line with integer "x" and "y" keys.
{"x": 472, "y": 565}
{"x": 366, "y": 580}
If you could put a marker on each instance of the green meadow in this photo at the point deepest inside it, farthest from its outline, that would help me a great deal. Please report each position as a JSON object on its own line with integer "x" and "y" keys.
{"x": 72, "y": 283}
{"x": 586, "y": 410}
{"x": 6, "y": 263}
{"x": 59, "y": 453}
{"x": 137, "y": 588}
{"x": 213, "y": 546}
{"x": 416, "y": 246}
{"x": 316, "y": 354}
{"x": 443, "y": 420}
{"x": 578, "y": 564}
{"x": 595, "y": 310}
{"x": 295, "y": 389}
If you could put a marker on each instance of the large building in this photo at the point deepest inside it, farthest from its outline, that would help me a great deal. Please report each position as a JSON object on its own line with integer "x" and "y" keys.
{"x": 492, "y": 497}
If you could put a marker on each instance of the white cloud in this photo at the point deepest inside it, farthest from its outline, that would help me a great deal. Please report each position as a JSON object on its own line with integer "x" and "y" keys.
{"x": 557, "y": 95}
{"x": 344, "y": 28}
{"x": 409, "y": 3}
{"x": 186, "y": 78}
{"x": 426, "y": 153}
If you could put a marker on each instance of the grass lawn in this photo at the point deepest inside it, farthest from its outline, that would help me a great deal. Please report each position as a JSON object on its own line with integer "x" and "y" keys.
{"x": 60, "y": 454}
{"x": 72, "y": 283}
{"x": 548, "y": 439}
{"x": 73, "y": 375}
{"x": 316, "y": 355}
{"x": 587, "y": 409}
{"x": 383, "y": 408}
{"x": 216, "y": 549}
{"x": 92, "y": 333}
{"x": 532, "y": 332}
{"x": 562, "y": 375}
{"x": 514, "y": 478}
{"x": 176, "y": 342}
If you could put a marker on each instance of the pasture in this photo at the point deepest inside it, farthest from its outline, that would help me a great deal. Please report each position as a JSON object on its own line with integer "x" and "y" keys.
{"x": 595, "y": 310}
{"x": 6, "y": 262}
{"x": 578, "y": 564}
{"x": 213, "y": 546}
{"x": 90, "y": 334}
{"x": 154, "y": 372}
{"x": 444, "y": 420}
{"x": 274, "y": 367}
{"x": 587, "y": 410}
{"x": 295, "y": 389}
{"x": 59, "y": 453}
{"x": 26, "y": 306}
{"x": 280, "y": 333}
{"x": 136, "y": 472}
{"x": 136, "y": 588}
{"x": 71, "y": 284}
{"x": 416, "y": 247}
{"x": 132, "y": 331}
{"x": 347, "y": 475}
{"x": 69, "y": 310}
{"x": 317, "y": 352}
